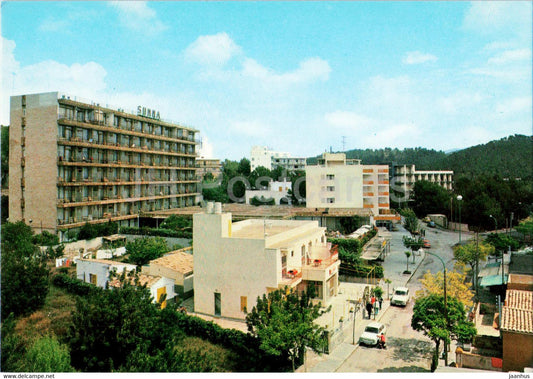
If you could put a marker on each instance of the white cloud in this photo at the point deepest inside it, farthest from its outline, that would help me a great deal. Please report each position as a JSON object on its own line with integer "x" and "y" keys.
{"x": 348, "y": 121}
{"x": 139, "y": 17}
{"x": 417, "y": 57}
{"x": 215, "y": 49}
{"x": 511, "y": 56}
{"x": 309, "y": 70}
{"x": 514, "y": 105}
{"x": 497, "y": 17}
{"x": 458, "y": 102}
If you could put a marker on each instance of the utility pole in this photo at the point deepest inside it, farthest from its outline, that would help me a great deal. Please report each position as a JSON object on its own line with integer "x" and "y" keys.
{"x": 343, "y": 143}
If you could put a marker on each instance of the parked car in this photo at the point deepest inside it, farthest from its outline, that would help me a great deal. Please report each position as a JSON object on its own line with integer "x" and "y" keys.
{"x": 427, "y": 245}
{"x": 371, "y": 334}
{"x": 400, "y": 296}
{"x": 431, "y": 224}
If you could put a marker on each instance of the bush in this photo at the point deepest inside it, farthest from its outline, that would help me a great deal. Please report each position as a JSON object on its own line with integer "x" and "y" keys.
{"x": 262, "y": 201}
{"x": 156, "y": 232}
{"x": 90, "y": 231}
{"x": 46, "y": 239}
{"x": 361, "y": 270}
{"x": 74, "y": 286}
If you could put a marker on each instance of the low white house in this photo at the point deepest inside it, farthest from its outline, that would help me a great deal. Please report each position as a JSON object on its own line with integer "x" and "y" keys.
{"x": 96, "y": 271}
{"x": 276, "y": 191}
{"x": 176, "y": 265}
{"x": 234, "y": 263}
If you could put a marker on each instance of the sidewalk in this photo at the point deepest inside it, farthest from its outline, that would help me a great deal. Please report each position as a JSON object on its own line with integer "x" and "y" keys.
{"x": 394, "y": 266}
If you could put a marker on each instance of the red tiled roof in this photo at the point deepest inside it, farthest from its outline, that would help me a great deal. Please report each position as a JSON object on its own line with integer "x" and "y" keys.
{"x": 517, "y": 313}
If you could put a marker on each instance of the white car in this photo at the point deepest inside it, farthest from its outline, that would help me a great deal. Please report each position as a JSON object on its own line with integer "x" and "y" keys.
{"x": 400, "y": 296}
{"x": 372, "y": 333}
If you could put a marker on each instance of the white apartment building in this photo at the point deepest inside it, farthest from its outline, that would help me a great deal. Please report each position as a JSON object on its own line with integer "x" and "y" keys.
{"x": 289, "y": 164}
{"x": 405, "y": 177}
{"x": 234, "y": 263}
{"x": 262, "y": 156}
{"x": 276, "y": 190}
{"x": 337, "y": 182}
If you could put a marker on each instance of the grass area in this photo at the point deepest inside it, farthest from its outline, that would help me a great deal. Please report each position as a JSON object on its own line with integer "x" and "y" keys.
{"x": 215, "y": 358}
{"x": 52, "y": 319}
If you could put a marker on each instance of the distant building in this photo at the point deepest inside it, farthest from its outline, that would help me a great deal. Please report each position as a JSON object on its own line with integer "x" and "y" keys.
{"x": 404, "y": 178}
{"x": 262, "y": 156}
{"x": 73, "y": 162}
{"x": 204, "y": 166}
{"x": 277, "y": 191}
{"x": 289, "y": 164}
{"x": 234, "y": 263}
{"x": 337, "y": 182}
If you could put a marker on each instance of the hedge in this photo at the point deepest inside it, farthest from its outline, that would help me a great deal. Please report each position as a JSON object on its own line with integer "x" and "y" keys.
{"x": 74, "y": 286}
{"x": 155, "y": 232}
{"x": 360, "y": 270}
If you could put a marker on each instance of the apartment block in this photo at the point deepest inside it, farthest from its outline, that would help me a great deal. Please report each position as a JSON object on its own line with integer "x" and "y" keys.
{"x": 74, "y": 161}
{"x": 337, "y": 182}
{"x": 262, "y": 156}
{"x": 288, "y": 163}
{"x": 404, "y": 178}
{"x": 204, "y": 166}
{"x": 235, "y": 262}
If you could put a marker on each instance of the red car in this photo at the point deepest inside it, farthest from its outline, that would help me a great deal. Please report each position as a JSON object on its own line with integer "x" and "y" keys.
{"x": 427, "y": 245}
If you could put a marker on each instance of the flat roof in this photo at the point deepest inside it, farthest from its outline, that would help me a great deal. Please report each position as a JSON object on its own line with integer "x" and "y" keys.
{"x": 260, "y": 231}
{"x": 271, "y": 211}
{"x": 176, "y": 260}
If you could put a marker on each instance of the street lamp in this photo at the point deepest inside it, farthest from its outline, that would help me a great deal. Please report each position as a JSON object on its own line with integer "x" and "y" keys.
{"x": 495, "y": 222}
{"x": 445, "y": 305}
{"x": 459, "y": 198}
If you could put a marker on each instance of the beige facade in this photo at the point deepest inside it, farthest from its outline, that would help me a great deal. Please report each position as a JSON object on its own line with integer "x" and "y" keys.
{"x": 204, "y": 166}
{"x": 234, "y": 263}
{"x": 72, "y": 162}
{"x": 337, "y": 182}
{"x": 405, "y": 177}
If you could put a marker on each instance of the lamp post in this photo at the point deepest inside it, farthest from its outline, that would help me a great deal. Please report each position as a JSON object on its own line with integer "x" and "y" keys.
{"x": 445, "y": 306}
{"x": 495, "y": 222}
{"x": 459, "y": 198}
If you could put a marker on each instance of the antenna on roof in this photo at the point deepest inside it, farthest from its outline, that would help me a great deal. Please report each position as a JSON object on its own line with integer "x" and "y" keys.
{"x": 343, "y": 143}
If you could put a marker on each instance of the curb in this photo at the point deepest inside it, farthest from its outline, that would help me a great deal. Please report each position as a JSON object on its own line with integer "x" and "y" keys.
{"x": 416, "y": 269}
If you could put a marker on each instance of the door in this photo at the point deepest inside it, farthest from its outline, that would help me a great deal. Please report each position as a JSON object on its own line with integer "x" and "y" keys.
{"x": 160, "y": 292}
{"x": 218, "y": 304}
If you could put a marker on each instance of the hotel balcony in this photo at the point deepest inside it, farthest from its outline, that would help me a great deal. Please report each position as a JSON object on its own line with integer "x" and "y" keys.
{"x": 291, "y": 279}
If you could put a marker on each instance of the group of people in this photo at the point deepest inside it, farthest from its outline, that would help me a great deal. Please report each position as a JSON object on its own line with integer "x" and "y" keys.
{"x": 373, "y": 305}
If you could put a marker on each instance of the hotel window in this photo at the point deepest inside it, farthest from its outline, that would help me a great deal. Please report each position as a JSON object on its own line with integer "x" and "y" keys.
{"x": 330, "y": 200}
{"x": 330, "y": 177}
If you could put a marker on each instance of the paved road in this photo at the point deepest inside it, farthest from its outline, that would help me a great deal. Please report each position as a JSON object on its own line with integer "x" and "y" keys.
{"x": 408, "y": 351}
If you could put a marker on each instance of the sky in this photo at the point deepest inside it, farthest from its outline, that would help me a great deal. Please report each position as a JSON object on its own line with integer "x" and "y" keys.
{"x": 300, "y": 77}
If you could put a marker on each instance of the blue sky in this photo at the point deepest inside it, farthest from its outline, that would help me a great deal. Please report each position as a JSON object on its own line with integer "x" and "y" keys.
{"x": 295, "y": 76}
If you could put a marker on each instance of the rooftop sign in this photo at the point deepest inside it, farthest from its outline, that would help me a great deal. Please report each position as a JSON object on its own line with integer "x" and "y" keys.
{"x": 147, "y": 112}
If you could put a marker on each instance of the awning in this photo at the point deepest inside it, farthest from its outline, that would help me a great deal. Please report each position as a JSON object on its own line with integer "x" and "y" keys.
{"x": 493, "y": 280}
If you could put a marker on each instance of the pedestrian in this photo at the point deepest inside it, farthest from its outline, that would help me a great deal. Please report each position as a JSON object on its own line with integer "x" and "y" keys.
{"x": 373, "y": 300}
{"x": 369, "y": 309}
{"x": 380, "y": 303}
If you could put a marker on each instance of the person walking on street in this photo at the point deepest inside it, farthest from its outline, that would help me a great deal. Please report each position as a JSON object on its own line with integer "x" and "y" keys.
{"x": 369, "y": 309}
{"x": 380, "y": 303}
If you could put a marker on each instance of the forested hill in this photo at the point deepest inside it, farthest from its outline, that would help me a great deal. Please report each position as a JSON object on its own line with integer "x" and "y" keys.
{"x": 508, "y": 157}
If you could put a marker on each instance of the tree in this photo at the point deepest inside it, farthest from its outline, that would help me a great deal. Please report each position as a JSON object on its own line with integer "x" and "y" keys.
{"x": 110, "y": 326}
{"x": 526, "y": 227}
{"x": 471, "y": 254}
{"x": 455, "y": 286}
{"x": 24, "y": 272}
{"x": 5, "y": 155}
{"x": 176, "y": 222}
{"x": 48, "y": 355}
{"x": 46, "y": 239}
{"x": 283, "y": 322}
{"x": 410, "y": 222}
{"x": 244, "y": 167}
{"x": 13, "y": 346}
{"x": 429, "y": 198}
{"x": 502, "y": 242}
{"x": 413, "y": 243}
{"x": 429, "y": 317}
{"x": 143, "y": 250}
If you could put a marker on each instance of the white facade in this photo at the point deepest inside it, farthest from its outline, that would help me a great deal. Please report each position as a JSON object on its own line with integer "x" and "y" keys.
{"x": 234, "y": 263}
{"x": 405, "y": 177}
{"x": 96, "y": 271}
{"x": 337, "y": 182}
{"x": 262, "y": 156}
{"x": 276, "y": 191}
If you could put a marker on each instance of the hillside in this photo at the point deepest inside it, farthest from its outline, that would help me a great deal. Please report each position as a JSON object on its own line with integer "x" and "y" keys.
{"x": 508, "y": 157}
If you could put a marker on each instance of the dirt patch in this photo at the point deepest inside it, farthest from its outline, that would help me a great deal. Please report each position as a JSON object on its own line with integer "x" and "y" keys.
{"x": 404, "y": 369}
{"x": 409, "y": 349}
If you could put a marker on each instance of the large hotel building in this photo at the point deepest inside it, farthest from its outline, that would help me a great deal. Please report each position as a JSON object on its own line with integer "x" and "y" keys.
{"x": 72, "y": 162}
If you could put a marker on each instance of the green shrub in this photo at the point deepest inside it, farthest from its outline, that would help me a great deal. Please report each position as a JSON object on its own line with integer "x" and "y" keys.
{"x": 156, "y": 232}
{"x": 46, "y": 239}
{"x": 261, "y": 201}
{"x": 74, "y": 286}
{"x": 90, "y": 231}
